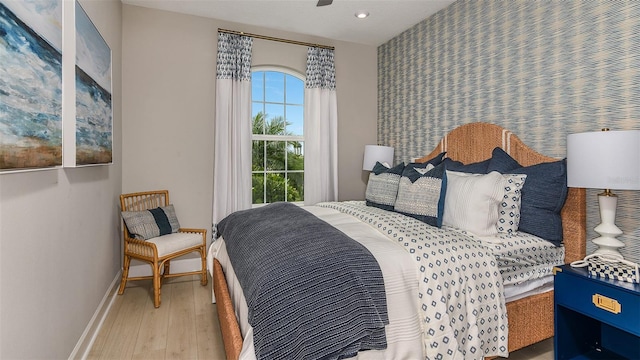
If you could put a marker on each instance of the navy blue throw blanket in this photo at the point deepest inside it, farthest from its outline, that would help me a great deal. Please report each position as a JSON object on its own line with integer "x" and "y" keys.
{"x": 312, "y": 291}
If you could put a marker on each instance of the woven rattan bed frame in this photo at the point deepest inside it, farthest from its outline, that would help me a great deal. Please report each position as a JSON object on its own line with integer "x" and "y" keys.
{"x": 531, "y": 318}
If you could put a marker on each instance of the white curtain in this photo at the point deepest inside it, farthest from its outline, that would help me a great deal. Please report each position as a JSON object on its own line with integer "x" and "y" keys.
{"x": 232, "y": 138}
{"x": 320, "y": 128}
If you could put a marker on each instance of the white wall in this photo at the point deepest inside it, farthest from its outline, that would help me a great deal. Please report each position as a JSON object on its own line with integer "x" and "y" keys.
{"x": 169, "y": 75}
{"x": 60, "y": 229}
{"x": 59, "y": 236}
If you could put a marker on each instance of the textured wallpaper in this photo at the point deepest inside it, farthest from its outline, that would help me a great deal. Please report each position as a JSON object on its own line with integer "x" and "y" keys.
{"x": 542, "y": 69}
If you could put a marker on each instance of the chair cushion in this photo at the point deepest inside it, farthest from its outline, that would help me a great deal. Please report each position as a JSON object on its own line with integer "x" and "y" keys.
{"x": 151, "y": 223}
{"x": 170, "y": 243}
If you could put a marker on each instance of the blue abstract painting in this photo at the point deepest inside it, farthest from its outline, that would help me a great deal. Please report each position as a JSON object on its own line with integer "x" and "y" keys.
{"x": 94, "y": 123}
{"x": 30, "y": 84}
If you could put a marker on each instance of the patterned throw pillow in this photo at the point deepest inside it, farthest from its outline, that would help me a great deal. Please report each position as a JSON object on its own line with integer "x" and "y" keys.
{"x": 421, "y": 193}
{"x": 151, "y": 223}
{"x": 509, "y": 212}
{"x": 382, "y": 188}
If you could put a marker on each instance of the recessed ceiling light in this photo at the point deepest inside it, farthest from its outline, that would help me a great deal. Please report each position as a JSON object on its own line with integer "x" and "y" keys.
{"x": 362, "y": 14}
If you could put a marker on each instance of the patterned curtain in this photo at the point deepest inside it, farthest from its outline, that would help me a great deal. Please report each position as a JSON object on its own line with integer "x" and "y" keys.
{"x": 321, "y": 120}
{"x": 232, "y": 137}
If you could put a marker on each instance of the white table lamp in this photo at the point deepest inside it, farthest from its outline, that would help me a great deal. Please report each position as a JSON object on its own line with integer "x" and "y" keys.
{"x": 605, "y": 160}
{"x": 373, "y": 153}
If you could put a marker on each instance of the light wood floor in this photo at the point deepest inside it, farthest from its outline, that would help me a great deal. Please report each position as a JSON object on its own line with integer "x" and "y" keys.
{"x": 186, "y": 325}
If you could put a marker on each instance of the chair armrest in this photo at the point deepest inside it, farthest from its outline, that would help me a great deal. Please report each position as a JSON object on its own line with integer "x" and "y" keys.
{"x": 188, "y": 230}
{"x": 140, "y": 247}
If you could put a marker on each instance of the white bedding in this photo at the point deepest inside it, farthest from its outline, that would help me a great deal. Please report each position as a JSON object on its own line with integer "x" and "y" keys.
{"x": 409, "y": 319}
{"x": 404, "y": 332}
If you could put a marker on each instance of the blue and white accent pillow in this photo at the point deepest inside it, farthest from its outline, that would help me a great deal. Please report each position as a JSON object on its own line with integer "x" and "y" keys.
{"x": 543, "y": 194}
{"x": 147, "y": 224}
{"x": 421, "y": 193}
{"x": 509, "y": 211}
{"x": 382, "y": 188}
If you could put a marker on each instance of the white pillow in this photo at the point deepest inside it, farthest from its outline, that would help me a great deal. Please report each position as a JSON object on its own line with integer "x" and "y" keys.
{"x": 472, "y": 201}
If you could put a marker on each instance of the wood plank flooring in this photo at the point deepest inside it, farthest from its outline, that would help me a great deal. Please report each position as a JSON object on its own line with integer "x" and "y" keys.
{"x": 186, "y": 325}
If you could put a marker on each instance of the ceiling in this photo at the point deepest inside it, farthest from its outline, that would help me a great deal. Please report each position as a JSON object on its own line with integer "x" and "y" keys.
{"x": 387, "y": 19}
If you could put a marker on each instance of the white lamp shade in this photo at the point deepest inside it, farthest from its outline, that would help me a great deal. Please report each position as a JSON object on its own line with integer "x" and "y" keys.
{"x": 373, "y": 153}
{"x": 604, "y": 160}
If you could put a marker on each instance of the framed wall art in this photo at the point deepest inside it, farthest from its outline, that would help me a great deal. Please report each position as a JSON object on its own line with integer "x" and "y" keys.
{"x": 30, "y": 84}
{"x": 93, "y": 107}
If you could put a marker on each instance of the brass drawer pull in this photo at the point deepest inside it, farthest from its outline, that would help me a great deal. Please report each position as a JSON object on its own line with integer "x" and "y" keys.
{"x": 606, "y": 303}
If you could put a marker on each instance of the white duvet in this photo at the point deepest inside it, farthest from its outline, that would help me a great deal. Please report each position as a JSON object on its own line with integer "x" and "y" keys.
{"x": 404, "y": 332}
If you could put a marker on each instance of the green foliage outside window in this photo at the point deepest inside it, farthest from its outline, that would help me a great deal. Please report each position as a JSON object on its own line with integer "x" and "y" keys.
{"x": 281, "y": 162}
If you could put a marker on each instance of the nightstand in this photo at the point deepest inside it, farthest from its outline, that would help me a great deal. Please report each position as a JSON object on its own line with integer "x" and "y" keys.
{"x": 595, "y": 318}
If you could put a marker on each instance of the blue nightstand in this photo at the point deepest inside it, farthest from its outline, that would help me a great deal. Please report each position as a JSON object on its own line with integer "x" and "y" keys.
{"x": 595, "y": 318}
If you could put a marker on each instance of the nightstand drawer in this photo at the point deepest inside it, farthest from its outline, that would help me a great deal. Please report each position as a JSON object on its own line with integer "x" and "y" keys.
{"x": 602, "y": 301}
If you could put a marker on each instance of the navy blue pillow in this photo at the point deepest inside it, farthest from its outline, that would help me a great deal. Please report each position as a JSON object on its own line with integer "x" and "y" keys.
{"x": 473, "y": 168}
{"x": 435, "y": 161}
{"x": 543, "y": 195}
{"x": 501, "y": 162}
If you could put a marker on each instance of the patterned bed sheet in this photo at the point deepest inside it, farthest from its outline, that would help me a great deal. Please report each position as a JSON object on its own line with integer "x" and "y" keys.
{"x": 522, "y": 256}
{"x": 461, "y": 293}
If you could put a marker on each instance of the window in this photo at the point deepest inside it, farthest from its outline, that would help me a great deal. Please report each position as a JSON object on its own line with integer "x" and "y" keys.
{"x": 278, "y": 137}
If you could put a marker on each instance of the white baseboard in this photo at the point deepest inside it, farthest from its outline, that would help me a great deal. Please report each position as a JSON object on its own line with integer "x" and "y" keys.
{"x": 88, "y": 337}
{"x": 185, "y": 264}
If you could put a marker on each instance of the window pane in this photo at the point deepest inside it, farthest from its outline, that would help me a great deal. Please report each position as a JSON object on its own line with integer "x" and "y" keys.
{"x": 258, "y": 123}
{"x": 275, "y": 119}
{"x": 274, "y": 89}
{"x": 276, "y": 155}
{"x": 295, "y": 157}
{"x": 296, "y": 187}
{"x": 257, "y": 86}
{"x": 295, "y": 124}
{"x": 295, "y": 90}
{"x": 257, "y": 188}
{"x": 257, "y": 154}
{"x": 276, "y": 185}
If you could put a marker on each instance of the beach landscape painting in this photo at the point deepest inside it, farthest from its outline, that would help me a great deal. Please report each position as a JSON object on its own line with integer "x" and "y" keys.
{"x": 30, "y": 84}
{"x": 94, "y": 117}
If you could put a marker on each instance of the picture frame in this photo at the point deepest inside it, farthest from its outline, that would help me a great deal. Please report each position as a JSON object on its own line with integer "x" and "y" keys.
{"x": 31, "y": 85}
{"x": 89, "y": 131}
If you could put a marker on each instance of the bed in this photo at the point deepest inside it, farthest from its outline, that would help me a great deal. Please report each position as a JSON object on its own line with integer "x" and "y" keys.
{"x": 530, "y": 317}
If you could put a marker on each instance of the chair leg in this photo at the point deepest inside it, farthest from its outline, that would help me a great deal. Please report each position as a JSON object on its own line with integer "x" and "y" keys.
{"x": 125, "y": 274}
{"x": 156, "y": 285}
{"x": 203, "y": 277}
{"x": 167, "y": 265}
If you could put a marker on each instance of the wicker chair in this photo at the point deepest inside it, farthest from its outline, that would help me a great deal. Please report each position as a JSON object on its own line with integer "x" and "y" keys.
{"x": 159, "y": 251}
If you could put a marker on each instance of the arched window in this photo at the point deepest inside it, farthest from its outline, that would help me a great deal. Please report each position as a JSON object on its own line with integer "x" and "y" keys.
{"x": 278, "y": 135}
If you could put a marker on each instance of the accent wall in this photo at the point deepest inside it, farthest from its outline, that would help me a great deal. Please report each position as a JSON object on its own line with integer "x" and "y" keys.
{"x": 542, "y": 69}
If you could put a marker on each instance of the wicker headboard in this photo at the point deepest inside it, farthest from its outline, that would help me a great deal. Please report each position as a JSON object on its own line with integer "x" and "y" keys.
{"x": 475, "y": 141}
